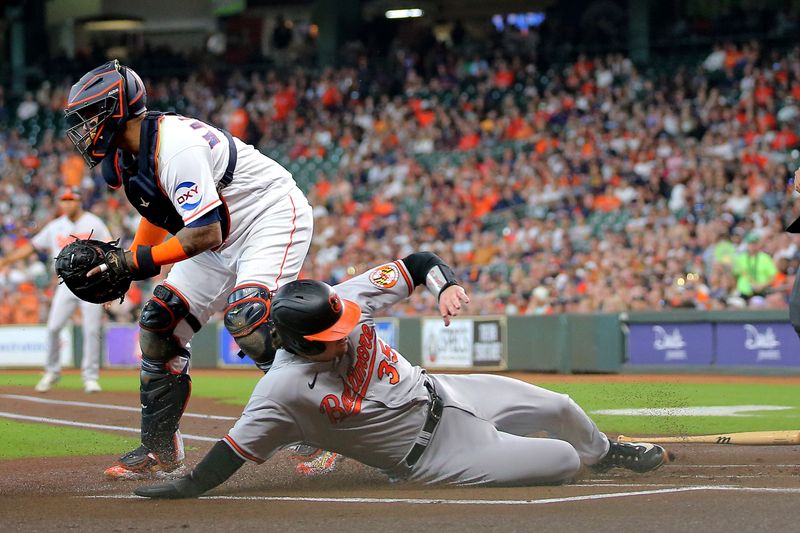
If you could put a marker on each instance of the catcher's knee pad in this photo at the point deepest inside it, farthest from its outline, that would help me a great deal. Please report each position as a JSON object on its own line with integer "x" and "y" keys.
{"x": 160, "y": 316}
{"x": 247, "y": 320}
{"x": 164, "y": 397}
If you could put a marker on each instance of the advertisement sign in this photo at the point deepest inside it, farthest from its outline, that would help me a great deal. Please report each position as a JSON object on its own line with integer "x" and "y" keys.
{"x": 447, "y": 347}
{"x": 466, "y": 343}
{"x": 386, "y": 328}
{"x": 229, "y": 350}
{"x": 26, "y": 346}
{"x": 758, "y": 344}
{"x": 670, "y": 344}
{"x": 488, "y": 348}
{"x": 122, "y": 345}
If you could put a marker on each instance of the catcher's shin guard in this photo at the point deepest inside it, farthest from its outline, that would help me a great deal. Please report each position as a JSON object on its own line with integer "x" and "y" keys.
{"x": 164, "y": 397}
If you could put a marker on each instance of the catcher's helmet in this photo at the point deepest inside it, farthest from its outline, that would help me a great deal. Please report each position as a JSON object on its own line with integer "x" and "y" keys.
{"x": 102, "y": 100}
{"x": 305, "y": 312}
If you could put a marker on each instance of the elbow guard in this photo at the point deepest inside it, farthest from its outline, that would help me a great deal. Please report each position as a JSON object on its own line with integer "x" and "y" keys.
{"x": 427, "y": 268}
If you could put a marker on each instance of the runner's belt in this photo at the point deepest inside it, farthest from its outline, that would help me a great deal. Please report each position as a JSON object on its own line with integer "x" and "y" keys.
{"x": 435, "y": 408}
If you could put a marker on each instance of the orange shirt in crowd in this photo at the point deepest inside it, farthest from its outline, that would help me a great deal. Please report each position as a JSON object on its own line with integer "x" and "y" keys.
{"x": 284, "y": 102}
{"x": 26, "y": 306}
{"x": 238, "y": 122}
{"x": 784, "y": 140}
{"x": 6, "y": 310}
{"x": 763, "y": 93}
{"x": 606, "y": 202}
{"x": 72, "y": 168}
{"x": 331, "y": 97}
{"x": 732, "y": 57}
{"x": 469, "y": 141}
{"x": 504, "y": 78}
{"x": 321, "y": 189}
{"x": 755, "y": 159}
{"x": 382, "y": 207}
{"x": 778, "y": 280}
{"x": 481, "y": 205}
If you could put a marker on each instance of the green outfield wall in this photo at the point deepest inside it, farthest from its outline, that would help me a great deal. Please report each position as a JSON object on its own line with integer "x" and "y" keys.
{"x": 674, "y": 341}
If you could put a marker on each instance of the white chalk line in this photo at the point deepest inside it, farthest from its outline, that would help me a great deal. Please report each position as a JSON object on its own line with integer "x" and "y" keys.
{"x": 623, "y": 485}
{"x": 103, "y": 406}
{"x": 56, "y": 421}
{"x": 442, "y": 501}
{"x": 61, "y": 422}
{"x": 743, "y": 465}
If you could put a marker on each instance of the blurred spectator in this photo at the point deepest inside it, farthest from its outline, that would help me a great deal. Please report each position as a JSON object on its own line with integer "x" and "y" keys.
{"x": 28, "y": 108}
{"x": 520, "y": 173}
{"x": 755, "y": 269}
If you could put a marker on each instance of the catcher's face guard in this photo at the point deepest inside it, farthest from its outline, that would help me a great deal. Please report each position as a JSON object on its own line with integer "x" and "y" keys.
{"x": 90, "y": 131}
{"x": 97, "y": 107}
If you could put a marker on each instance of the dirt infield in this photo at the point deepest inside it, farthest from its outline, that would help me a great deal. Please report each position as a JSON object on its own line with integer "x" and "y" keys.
{"x": 708, "y": 487}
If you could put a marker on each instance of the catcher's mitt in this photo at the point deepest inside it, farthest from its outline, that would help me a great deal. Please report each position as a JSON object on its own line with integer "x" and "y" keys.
{"x": 80, "y": 256}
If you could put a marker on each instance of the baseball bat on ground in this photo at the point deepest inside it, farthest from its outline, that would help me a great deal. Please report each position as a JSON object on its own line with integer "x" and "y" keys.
{"x": 751, "y": 438}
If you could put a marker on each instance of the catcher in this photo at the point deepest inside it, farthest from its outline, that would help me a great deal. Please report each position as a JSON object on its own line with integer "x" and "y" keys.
{"x": 337, "y": 385}
{"x": 240, "y": 228}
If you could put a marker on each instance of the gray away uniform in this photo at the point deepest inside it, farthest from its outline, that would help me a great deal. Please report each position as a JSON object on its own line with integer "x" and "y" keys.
{"x": 372, "y": 405}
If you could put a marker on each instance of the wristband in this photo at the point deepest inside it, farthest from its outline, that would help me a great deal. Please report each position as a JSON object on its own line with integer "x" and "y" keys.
{"x": 439, "y": 278}
{"x": 169, "y": 251}
{"x": 144, "y": 263}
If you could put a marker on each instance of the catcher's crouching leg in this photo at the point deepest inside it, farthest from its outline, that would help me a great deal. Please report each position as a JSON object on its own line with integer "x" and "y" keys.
{"x": 165, "y": 390}
{"x": 163, "y": 396}
{"x": 247, "y": 320}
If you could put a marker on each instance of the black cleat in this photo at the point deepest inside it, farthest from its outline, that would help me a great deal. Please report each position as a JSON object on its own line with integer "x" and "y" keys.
{"x": 637, "y": 456}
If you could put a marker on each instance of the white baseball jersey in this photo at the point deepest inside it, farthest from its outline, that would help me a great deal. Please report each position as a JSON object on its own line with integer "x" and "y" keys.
{"x": 372, "y": 404}
{"x": 192, "y": 157}
{"x": 52, "y": 238}
{"x": 270, "y": 219}
{"x": 59, "y": 232}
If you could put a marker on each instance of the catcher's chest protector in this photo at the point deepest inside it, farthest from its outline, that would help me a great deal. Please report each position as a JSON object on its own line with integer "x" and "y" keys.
{"x": 141, "y": 183}
{"x": 140, "y": 180}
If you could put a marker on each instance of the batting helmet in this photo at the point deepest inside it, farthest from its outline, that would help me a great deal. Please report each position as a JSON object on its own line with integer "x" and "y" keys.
{"x": 102, "y": 101}
{"x": 305, "y": 313}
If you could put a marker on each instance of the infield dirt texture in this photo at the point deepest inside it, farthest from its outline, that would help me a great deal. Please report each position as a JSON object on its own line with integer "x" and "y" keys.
{"x": 708, "y": 488}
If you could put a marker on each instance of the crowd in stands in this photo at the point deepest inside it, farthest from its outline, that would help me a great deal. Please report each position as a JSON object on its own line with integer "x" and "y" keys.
{"x": 591, "y": 186}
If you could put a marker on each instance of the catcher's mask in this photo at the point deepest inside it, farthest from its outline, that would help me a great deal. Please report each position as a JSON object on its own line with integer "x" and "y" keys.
{"x": 306, "y": 313}
{"x": 99, "y": 104}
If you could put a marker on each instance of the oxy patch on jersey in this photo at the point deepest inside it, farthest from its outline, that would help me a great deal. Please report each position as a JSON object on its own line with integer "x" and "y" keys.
{"x": 385, "y": 277}
{"x": 188, "y": 195}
